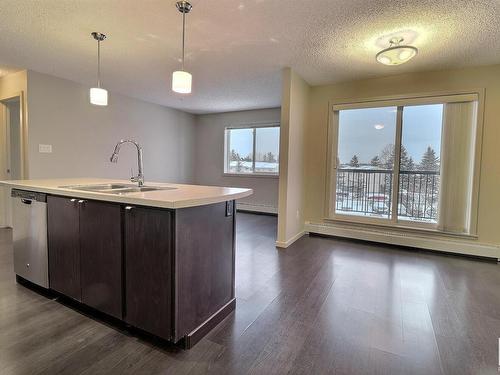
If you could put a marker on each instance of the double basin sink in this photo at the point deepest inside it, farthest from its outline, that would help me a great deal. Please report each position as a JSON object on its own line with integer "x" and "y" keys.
{"x": 117, "y": 189}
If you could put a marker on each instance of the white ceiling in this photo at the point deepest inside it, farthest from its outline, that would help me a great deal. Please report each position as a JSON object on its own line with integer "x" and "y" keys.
{"x": 236, "y": 49}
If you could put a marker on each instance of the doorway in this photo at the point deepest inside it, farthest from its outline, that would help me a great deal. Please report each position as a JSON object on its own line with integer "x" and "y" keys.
{"x": 11, "y": 155}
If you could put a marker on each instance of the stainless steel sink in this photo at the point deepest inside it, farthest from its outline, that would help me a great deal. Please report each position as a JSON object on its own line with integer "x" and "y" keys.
{"x": 117, "y": 189}
{"x": 96, "y": 187}
{"x": 137, "y": 189}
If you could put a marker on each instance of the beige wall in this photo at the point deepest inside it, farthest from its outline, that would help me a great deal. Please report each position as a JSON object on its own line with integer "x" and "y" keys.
{"x": 83, "y": 135}
{"x": 13, "y": 84}
{"x": 291, "y": 185}
{"x": 464, "y": 79}
{"x": 209, "y": 166}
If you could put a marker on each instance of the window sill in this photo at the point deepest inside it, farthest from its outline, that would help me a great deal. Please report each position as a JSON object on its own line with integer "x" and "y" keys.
{"x": 251, "y": 175}
{"x": 403, "y": 228}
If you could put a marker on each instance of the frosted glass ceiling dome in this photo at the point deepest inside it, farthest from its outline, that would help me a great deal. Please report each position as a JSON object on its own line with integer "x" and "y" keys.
{"x": 396, "y": 53}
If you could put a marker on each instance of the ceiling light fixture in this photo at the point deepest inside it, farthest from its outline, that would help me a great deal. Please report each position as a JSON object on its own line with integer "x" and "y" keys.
{"x": 98, "y": 95}
{"x": 396, "y": 53}
{"x": 181, "y": 80}
{"x": 379, "y": 126}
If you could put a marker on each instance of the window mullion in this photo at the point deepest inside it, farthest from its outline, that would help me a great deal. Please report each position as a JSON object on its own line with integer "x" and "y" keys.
{"x": 228, "y": 150}
{"x": 396, "y": 167}
{"x": 253, "y": 152}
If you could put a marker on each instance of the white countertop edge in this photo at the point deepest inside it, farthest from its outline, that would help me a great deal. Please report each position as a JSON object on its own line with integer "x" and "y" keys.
{"x": 147, "y": 199}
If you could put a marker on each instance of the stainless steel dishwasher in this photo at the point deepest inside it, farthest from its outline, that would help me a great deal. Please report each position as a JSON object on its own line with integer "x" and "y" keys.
{"x": 30, "y": 236}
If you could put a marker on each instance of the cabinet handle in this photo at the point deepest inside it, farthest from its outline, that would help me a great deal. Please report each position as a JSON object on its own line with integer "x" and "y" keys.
{"x": 72, "y": 200}
{"x": 81, "y": 201}
{"x": 129, "y": 208}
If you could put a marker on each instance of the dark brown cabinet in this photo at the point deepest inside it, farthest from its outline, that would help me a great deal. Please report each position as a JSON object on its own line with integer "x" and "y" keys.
{"x": 204, "y": 264}
{"x": 64, "y": 248}
{"x": 85, "y": 261}
{"x": 101, "y": 256}
{"x": 168, "y": 272}
{"x": 148, "y": 269}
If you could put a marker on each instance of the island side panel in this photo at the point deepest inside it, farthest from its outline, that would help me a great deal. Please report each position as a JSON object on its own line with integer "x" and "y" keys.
{"x": 204, "y": 264}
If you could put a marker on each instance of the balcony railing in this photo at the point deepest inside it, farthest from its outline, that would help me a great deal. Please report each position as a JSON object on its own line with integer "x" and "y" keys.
{"x": 368, "y": 192}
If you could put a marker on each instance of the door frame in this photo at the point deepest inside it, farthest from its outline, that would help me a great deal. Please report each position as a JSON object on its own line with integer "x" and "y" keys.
{"x": 23, "y": 173}
{"x": 6, "y": 216}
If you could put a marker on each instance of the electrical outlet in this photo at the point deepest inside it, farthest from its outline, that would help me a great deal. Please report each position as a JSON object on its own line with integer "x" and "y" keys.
{"x": 45, "y": 149}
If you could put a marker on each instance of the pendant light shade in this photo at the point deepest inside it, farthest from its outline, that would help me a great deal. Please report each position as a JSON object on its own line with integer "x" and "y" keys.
{"x": 182, "y": 80}
{"x": 397, "y": 53}
{"x": 98, "y": 95}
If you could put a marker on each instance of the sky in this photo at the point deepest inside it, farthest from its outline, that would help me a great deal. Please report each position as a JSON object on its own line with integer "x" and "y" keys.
{"x": 267, "y": 140}
{"x": 358, "y": 133}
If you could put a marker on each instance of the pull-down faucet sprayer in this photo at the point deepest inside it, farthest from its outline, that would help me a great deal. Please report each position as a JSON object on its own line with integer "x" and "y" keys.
{"x": 114, "y": 159}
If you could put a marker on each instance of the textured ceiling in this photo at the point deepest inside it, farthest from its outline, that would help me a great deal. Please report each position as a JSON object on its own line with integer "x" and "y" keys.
{"x": 236, "y": 49}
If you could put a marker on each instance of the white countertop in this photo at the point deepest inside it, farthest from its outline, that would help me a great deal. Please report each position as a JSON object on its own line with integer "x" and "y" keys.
{"x": 180, "y": 197}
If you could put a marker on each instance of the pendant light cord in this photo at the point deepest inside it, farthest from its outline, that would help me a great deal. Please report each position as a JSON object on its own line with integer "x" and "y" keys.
{"x": 99, "y": 63}
{"x": 183, "y": 36}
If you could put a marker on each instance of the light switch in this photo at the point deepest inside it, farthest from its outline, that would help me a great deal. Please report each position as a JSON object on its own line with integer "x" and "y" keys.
{"x": 45, "y": 149}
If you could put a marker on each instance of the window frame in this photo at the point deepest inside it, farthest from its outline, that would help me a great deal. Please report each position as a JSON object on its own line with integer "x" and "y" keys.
{"x": 399, "y": 101}
{"x": 227, "y": 142}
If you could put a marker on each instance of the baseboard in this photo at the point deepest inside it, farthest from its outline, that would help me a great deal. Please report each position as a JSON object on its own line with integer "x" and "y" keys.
{"x": 241, "y": 206}
{"x": 285, "y": 244}
{"x": 393, "y": 237}
{"x": 193, "y": 337}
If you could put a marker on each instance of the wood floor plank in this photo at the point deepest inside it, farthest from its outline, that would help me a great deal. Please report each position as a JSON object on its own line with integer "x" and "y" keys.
{"x": 321, "y": 306}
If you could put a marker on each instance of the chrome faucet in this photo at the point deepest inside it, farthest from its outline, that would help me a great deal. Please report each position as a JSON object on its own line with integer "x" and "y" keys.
{"x": 114, "y": 159}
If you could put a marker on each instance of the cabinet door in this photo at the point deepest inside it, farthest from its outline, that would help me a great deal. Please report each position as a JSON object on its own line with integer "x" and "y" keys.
{"x": 64, "y": 246}
{"x": 101, "y": 256}
{"x": 148, "y": 269}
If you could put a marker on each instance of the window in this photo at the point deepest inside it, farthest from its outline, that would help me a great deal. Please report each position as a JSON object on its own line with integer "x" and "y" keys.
{"x": 407, "y": 161}
{"x": 252, "y": 150}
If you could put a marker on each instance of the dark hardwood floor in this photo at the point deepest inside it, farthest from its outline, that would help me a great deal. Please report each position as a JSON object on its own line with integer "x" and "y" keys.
{"x": 322, "y": 306}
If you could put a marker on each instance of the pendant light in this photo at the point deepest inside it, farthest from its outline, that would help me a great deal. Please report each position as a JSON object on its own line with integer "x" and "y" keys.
{"x": 98, "y": 95}
{"x": 181, "y": 80}
{"x": 396, "y": 53}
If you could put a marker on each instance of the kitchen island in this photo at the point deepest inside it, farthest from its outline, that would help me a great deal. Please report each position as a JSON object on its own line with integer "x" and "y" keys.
{"x": 158, "y": 257}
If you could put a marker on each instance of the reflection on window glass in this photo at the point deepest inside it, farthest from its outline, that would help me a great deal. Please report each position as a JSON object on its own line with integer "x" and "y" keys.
{"x": 267, "y": 150}
{"x": 242, "y": 143}
{"x": 365, "y": 161}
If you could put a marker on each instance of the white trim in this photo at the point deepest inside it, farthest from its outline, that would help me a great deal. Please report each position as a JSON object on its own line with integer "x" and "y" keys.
{"x": 402, "y": 238}
{"x": 256, "y": 208}
{"x": 471, "y": 95}
{"x": 406, "y": 100}
{"x": 409, "y": 225}
{"x": 253, "y": 127}
{"x": 285, "y": 244}
{"x": 258, "y": 175}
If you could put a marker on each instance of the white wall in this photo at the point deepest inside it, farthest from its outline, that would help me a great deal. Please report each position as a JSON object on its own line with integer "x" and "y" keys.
{"x": 83, "y": 135}
{"x": 291, "y": 183}
{"x": 209, "y": 168}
